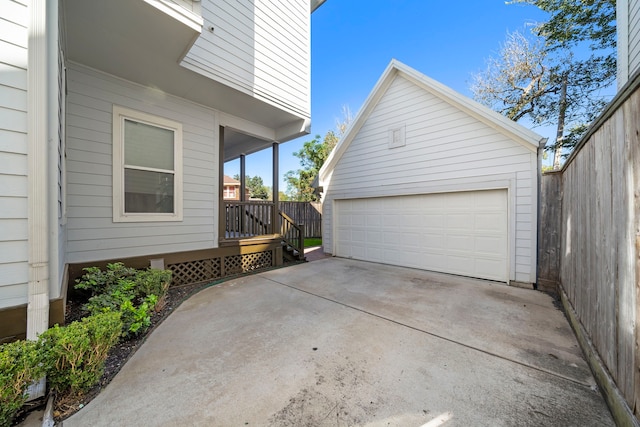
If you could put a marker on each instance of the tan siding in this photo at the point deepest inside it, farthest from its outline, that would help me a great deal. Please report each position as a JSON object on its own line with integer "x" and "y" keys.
{"x": 260, "y": 48}
{"x": 91, "y": 233}
{"x": 13, "y": 154}
{"x": 446, "y": 150}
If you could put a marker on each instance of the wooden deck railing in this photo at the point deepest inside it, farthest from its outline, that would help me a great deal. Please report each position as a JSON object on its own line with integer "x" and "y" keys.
{"x": 292, "y": 235}
{"x": 257, "y": 218}
{"x": 248, "y": 219}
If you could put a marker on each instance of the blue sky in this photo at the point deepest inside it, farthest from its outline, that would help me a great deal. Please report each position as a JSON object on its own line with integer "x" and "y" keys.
{"x": 354, "y": 40}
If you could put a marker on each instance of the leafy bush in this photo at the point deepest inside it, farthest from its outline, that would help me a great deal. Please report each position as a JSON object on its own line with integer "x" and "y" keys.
{"x": 75, "y": 354}
{"x": 134, "y": 319}
{"x": 134, "y": 293}
{"x": 20, "y": 365}
{"x": 154, "y": 282}
{"x": 98, "y": 282}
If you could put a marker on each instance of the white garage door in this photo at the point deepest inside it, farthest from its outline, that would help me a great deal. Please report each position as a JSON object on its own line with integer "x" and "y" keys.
{"x": 461, "y": 233}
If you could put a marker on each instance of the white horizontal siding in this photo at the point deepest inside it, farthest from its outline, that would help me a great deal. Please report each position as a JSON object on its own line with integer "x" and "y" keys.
{"x": 91, "y": 233}
{"x": 13, "y": 154}
{"x": 261, "y": 48}
{"x": 446, "y": 150}
{"x": 634, "y": 36}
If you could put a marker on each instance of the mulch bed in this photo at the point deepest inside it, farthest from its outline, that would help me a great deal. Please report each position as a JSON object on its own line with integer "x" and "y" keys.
{"x": 122, "y": 351}
{"x": 64, "y": 407}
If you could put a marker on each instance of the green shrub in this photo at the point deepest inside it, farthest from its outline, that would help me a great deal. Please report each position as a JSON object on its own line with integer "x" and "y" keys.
{"x": 154, "y": 282}
{"x": 75, "y": 354}
{"x": 97, "y": 281}
{"x": 134, "y": 319}
{"x": 20, "y": 365}
{"x": 135, "y": 293}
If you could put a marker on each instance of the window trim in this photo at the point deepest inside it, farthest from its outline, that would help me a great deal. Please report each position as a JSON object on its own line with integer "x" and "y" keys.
{"x": 119, "y": 116}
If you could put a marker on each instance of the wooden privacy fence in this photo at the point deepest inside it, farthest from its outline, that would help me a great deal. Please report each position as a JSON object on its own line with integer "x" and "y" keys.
{"x": 307, "y": 214}
{"x": 589, "y": 239}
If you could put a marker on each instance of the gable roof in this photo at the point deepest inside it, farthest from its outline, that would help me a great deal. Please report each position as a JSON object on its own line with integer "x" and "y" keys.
{"x": 231, "y": 181}
{"x": 513, "y": 130}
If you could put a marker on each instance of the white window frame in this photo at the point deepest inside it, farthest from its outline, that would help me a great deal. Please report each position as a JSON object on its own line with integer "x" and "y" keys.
{"x": 119, "y": 116}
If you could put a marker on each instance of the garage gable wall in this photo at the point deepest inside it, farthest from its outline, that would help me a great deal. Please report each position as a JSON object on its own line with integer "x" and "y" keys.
{"x": 442, "y": 149}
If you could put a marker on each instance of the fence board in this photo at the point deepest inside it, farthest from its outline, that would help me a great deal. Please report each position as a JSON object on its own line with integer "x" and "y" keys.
{"x": 629, "y": 334}
{"x": 598, "y": 240}
{"x": 550, "y": 236}
{"x": 304, "y": 213}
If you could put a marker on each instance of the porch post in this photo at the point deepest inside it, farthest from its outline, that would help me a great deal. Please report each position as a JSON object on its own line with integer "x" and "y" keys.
{"x": 243, "y": 179}
{"x": 274, "y": 186}
{"x": 222, "y": 212}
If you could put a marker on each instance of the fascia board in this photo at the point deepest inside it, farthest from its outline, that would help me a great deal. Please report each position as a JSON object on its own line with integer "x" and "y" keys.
{"x": 519, "y": 133}
{"x": 363, "y": 114}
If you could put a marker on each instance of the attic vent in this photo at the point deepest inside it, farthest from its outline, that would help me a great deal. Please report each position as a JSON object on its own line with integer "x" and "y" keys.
{"x": 396, "y": 137}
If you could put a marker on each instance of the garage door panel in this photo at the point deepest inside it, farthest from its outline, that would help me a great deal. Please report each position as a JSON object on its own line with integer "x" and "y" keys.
{"x": 460, "y": 264}
{"x": 373, "y": 220}
{"x": 434, "y": 220}
{"x": 358, "y": 220}
{"x": 390, "y": 220}
{"x": 392, "y": 238}
{"x": 459, "y": 203}
{"x": 489, "y": 222}
{"x": 460, "y": 221}
{"x": 374, "y": 236}
{"x": 375, "y": 254}
{"x": 412, "y": 221}
{"x": 462, "y": 233}
{"x": 488, "y": 268}
{"x": 358, "y": 236}
{"x": 411, "y": 240}
{"x": 459, "y": 242}
{"x": 490, "y": 245}
{"x": 490, "y": 200}
{"x": 433, "y": 262}
{"x": 358, "y": 251}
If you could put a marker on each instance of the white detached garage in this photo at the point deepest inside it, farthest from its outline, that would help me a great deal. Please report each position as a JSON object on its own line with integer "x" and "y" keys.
{"x": 430, "y": 179}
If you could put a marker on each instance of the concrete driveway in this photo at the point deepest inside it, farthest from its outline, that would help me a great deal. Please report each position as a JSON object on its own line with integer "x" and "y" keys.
{"x": 341, "y": 343}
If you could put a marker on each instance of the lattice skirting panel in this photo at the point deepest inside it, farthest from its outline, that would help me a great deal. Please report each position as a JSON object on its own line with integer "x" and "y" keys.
{"x": 237, "y": 264}
{"x": 209, "y": 269}
{"x": 195, "y": 271}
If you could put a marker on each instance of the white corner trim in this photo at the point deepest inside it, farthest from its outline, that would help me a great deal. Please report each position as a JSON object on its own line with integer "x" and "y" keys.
{"x": 37, "y": 200}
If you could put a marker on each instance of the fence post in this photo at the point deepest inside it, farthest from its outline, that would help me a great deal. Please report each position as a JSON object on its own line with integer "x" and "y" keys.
{"x": 550, "y": 231}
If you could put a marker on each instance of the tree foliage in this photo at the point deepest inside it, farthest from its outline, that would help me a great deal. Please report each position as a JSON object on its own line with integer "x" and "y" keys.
{"x": 312, "y": 156}
{"x": 545, "y": 79}
{"x": 257, "y": 189}
{"x": 514, "y": 80}
{"x": 574, "y": 21}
